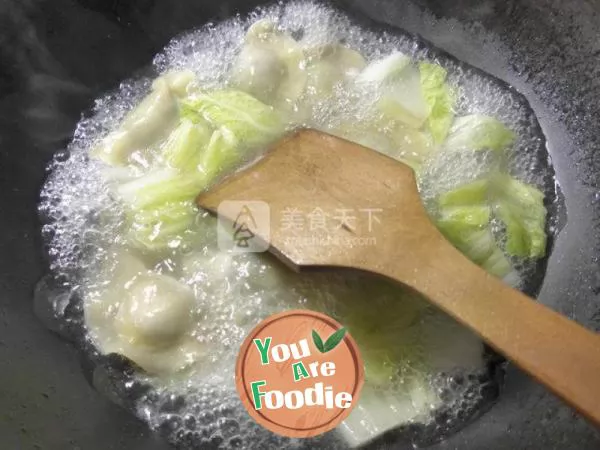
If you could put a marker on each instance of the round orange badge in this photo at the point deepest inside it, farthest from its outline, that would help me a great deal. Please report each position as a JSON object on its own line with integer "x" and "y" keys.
{"x": 299, "y": 373}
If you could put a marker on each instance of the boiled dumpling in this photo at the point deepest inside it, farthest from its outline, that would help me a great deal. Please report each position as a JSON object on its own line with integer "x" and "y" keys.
{"x": 156, "y": 312}
{"x": 147, "y": 123}
{"x": 330, "y": 65}
{"x": 144, "y": 316}
{"x": 259, "y": 72}
{"x": 269, "y": 66}
{"x": 178, "y": 81}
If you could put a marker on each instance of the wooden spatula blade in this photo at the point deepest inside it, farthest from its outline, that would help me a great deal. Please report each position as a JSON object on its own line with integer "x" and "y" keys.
{"x": 329, "y": 199}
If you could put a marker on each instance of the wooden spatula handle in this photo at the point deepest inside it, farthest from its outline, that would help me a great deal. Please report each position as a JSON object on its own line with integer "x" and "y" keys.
{"x": 311, "y": 170}
{"x": 558, "y": 352}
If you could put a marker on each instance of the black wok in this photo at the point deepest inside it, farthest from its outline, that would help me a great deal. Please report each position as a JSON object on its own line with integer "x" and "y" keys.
{"x": 56, "y": 57}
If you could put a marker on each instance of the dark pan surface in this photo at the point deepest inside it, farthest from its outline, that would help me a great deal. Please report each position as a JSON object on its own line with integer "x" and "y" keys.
{"x": 56, "y": 57}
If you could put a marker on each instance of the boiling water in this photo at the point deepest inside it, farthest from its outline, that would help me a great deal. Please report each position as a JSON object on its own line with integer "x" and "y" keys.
{"x": 201, "y": 408}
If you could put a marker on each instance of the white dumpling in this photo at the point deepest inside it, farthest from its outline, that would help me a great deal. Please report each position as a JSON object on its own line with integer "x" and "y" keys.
{"x": 259, "y": 72}
{"x": 124, "y": 267}
{"x": 147, "y": 123}
{"x": 270, "y": 66}
{"x": 144, "y": 316}
{"x": 178, "y": 81}
{"x": 157, "y": 310}
{"x": 330, "y": 65}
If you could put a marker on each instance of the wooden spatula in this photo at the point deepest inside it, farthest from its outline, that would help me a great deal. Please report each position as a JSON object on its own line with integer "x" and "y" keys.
{"x": 366, "y": 214}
